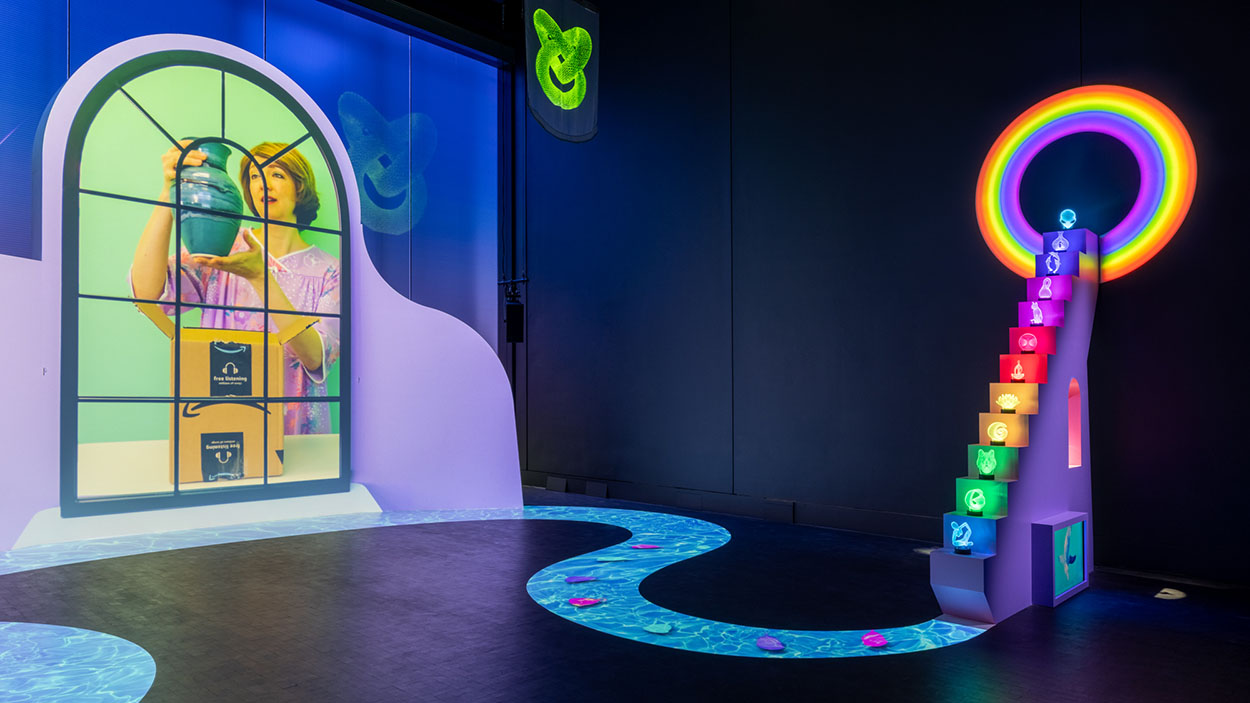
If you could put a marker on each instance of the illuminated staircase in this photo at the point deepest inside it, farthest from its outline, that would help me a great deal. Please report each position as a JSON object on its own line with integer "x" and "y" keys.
{"x": 1020, "y": 533}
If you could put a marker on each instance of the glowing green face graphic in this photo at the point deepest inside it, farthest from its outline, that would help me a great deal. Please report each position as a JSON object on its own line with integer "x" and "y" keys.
{"x": 987, "y": 461}
{"x": 564, "y": 53}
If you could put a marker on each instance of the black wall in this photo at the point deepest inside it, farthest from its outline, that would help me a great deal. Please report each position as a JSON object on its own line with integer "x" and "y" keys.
{"x": 761, "y": 288}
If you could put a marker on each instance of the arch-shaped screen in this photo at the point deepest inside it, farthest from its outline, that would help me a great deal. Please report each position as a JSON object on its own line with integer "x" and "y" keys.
{"x": 196, "y": 372}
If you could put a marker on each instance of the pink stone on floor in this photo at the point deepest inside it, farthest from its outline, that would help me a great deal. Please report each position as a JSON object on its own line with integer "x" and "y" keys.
{"x": 583, "y": 602}
{"x": 769, "y": 643}
{"x": 644, "y": 546}
{"x": 874, "y": 639}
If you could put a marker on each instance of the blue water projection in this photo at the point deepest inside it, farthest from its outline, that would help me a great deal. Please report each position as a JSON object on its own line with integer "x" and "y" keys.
{"x": 618, "y": 571}
{"x": 54, "y": 664}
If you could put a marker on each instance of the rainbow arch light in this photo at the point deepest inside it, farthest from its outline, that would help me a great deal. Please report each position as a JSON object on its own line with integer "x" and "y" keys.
{"x": 1165, "y": 156}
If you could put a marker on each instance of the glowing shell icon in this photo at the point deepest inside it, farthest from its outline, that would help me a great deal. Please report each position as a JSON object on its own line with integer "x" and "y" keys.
{"x": 1017, "y": 374}
{"x": 1008, "y": 402}
{"x": 997, "y": 432}
{"x": 975, "y": 500}
{"x": 1027, "y": 342}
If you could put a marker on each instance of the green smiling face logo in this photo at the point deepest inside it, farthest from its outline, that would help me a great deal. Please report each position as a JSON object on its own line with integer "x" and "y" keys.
{"x": 564, "y": 54}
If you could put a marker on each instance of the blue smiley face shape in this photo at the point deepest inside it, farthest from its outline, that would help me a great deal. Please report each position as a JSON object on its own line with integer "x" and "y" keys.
{"x": 390, "y": 176}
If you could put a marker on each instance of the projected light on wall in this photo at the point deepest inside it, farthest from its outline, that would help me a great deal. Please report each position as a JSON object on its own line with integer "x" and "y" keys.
{"x": 1165, "y": 157}
{"x": 564, "y": 53}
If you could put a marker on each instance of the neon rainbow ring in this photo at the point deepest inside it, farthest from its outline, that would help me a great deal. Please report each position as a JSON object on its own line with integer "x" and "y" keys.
{"x": 1165, "y": 157}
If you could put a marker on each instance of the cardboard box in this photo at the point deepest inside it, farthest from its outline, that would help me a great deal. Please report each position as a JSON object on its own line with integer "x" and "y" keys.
{"x": 222, "y": 434}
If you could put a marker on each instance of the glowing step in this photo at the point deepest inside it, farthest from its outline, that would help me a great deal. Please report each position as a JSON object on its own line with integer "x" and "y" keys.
{"x": 1013, "y": 398}
{"x": 1065, "y": 263}
{"x": 1049, "y": 288}
{"x": 1022, "y": 368}
{"x": 1040, "y": 313}
{"x": 1031, "y": 340}
{"x": 1002, "y": 463}
{"x": 973, "y": 495}
{"x": 1001, "y": 430}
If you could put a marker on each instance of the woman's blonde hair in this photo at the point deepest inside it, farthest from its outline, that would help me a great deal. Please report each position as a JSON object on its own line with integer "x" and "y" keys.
{"x": 295, "y": 165}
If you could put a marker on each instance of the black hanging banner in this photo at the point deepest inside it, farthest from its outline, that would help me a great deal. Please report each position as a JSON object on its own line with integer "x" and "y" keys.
{"x": 561, "y": 48}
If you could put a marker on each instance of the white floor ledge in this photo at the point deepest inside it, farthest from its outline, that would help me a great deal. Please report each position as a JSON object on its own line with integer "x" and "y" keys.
{"x": 48, "y": 527}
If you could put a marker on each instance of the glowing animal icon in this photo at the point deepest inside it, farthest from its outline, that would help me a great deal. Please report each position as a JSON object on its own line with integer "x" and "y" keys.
{"x": 1060, "y": 243}
{"x": 961, "y": 537}
{"x": 1007, "y": 401}
{"x": 1037, "y": 318}
{"x": 564, "y": 54}
{"x": 1017, "y": 374}
{"x": 997, "y": 432}
{"x": 975, "y": 500}
{"x": 1044, "y": 292}
{"x": 1052, "y": 263}
{"x": 1027, "y": 342}
{"x": 389, "y": 158}
{"x": 987, "y": 461}
{"x": 874, "y": 639}
{"x": 1067, "y": 218}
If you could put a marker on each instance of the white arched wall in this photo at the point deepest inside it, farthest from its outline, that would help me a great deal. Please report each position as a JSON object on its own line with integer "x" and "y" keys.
{"x": 431, "y": 423}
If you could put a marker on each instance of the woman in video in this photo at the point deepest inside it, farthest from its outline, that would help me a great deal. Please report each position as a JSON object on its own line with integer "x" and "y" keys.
{"x": 303, "y": 279}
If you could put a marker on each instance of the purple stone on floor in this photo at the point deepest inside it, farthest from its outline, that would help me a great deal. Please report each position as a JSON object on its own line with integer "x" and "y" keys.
{"x": 769, "y": 643}
{"x": 579, "y": 579}
{"x": 584, "y": 602}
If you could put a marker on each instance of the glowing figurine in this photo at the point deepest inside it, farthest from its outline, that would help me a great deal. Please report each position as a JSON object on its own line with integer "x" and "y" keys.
{"x": 987, "y": 462}
{"x": 1044, "y": 292}
{"x": 1007, "y": 402}
{"x": 1060, "y": 243}
{"x": 1067, "y": 218}
{"x": 1052, "y": 263}
{"x": 1017, "y": 374}
{"x": 1037, "y": 318}
{"x": 975, "y": 501}
{"x": 1027, "y": 342}
{"x": 998, "y": 433}
{"x": 961, "y": 537}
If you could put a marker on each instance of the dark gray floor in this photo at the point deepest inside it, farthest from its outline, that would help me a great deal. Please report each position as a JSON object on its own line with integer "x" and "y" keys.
{"x": 440, "y": 613}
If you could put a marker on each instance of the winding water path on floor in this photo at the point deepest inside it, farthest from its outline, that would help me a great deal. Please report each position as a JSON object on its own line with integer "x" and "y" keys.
{"x": 114, "y": 669}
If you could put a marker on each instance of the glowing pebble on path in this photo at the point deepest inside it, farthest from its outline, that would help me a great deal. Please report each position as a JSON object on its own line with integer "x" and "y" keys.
{"x": 611, "y": 559}
{"x": 579, "y": 579}
{"x": 659, "y": 628}
{"x": 583, "y": 602}
{"x": 768, "y": 643}
{"x": 644, "y": 546}
{"x": 874, "y": 639}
